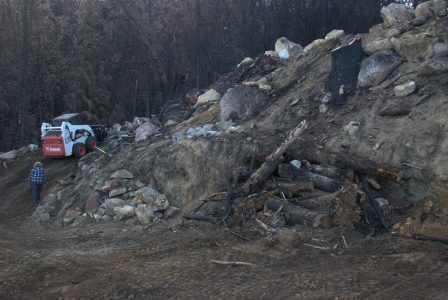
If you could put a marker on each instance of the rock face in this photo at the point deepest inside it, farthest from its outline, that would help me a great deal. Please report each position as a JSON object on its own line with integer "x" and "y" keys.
{"x": 396, "y": 13}
{"x": 404, "y": 90}
{"x": 145, "y": 131}
{"x": 377, "y": 67}
{"x": 208, "y": 97}
{"x": 287, "y": 49}
{"x": 241, "y": 103}
{"x": 152, "y": 198}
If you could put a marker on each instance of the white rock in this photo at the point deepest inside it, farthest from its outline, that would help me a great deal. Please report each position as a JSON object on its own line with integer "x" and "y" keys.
{"x": 382, "y": 202}
{"x": 396, "y": 13}
{"x": 124, "y": 212}
{"x": 296, "y": 163}
{"x": 9, "y": 155}
{"x": 145, "y": 130}
{"x": 246, "y": 62}
{"x": 209, "y": 96}
{"x": 111, "y": 203}
{"x": 352, "y": 129}
{"x": 335, "y": 34}
{"x": 287, "y": 49}
{"x": 271, "y": 53}
{"x": 404, "y": 90}
{"x": 144, "y": 214}
{"x": 122, "y": 174}
{"x": 153, "y": 198}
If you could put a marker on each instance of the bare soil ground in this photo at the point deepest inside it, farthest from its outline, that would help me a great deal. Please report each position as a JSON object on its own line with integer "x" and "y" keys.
{"x": 109, "y": 260}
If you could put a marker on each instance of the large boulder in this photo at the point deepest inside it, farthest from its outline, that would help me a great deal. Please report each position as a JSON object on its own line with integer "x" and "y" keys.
{"x": 376, "y": 46}
{"x": 153, "y": 198}
{"x": 287, "y": 49}
{"x": 121, "y": 174}
{"x": 13, "y": 154}
{"x": 412, "y": 47}
{"x": 434, "y": 66}
{"x": 41, "y": 214}
{"x": 335, "y": 34}
{"x": 144, "y": 213}
{"x": 405, "y": 89}
{"x": 396, "y": 13}
{"x": 431, "y": 8}
{"x": 145, "y": 131}
{"x": 241, "y": 103}
{"x": 124, "y": 212}
{"x": 111, "y": 203}
{"x": 246, "y": 62}
{"x": 314, "y": 44}
{"x": 437, "y": 50}
{"x": 377, "y": 67}
{"x": 208, "y": 97}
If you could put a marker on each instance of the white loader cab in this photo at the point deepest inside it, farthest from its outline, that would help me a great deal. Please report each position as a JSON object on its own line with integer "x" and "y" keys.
{"x": 66, "y": 136}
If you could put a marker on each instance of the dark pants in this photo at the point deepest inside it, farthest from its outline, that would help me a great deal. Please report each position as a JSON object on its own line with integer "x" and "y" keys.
{"x": 35, "y": 190}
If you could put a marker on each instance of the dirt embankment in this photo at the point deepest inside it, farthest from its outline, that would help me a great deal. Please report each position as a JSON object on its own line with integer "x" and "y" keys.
{"x": 172, "y": 259}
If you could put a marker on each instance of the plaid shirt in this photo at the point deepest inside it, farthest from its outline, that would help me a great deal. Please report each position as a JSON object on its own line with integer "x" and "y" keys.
{"x": 37, "y": 176}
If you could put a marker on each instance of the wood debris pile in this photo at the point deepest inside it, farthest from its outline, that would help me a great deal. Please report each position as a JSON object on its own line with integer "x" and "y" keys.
{"x": 316, "y": 189}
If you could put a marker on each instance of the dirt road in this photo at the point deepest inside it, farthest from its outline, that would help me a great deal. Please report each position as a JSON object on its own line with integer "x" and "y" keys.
{"x": 109, "y": 260}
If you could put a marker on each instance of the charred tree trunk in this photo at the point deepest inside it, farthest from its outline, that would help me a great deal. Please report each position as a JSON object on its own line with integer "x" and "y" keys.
{"x": 319, "y": 181}
{"x": 351, "y": 162}
{"x": 296, "y": 215}
{"x": 266, "y": 169}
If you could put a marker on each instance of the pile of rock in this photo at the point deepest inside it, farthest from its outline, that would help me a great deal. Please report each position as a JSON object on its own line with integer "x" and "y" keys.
{"x": 140, "y": 129}
{"x": 398, "y": 41}
{"x": 129, "y": 198}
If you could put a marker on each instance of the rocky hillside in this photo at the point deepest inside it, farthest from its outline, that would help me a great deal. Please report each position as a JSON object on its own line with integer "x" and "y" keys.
{"x": 379, "y": 97}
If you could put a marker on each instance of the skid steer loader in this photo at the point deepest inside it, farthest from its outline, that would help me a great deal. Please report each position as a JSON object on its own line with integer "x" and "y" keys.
{"x": 66, "y": 136}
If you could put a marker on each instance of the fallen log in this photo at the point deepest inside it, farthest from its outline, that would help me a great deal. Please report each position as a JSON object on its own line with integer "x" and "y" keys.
{"x": 319, "y": 202}
{"x": 269, "y": 166}
{"x": 373, "y": 202}
{"x": 319, "y": 181}
{"x": 346, "y": 161}
{"x": 331, "y": 171}
{"x": 297, "y": 215}
{"x": 200, "y": 218}
{"x": 294, "y": 187}
{"x": 231, "y": 263}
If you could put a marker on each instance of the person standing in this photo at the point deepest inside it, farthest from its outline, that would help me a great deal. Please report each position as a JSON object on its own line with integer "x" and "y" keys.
{"x": 37, "y": 180}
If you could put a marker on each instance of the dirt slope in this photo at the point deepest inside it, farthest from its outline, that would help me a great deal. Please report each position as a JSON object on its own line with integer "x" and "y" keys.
{"x": 124, "y": 260}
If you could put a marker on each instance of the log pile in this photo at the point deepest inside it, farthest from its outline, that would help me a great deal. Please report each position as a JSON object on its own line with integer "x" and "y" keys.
{"x": 324, "y": 191}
